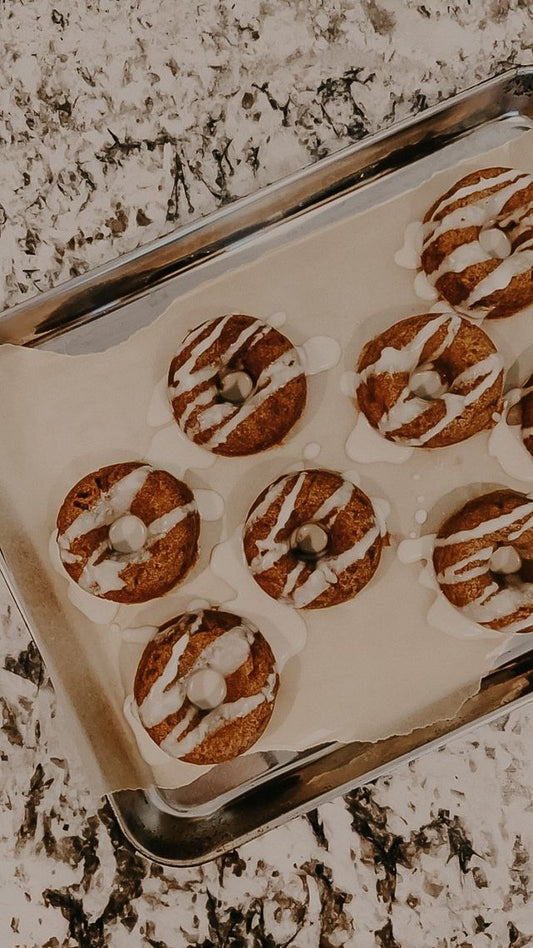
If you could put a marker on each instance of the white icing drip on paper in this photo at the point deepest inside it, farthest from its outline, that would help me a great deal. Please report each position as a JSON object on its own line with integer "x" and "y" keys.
{"x": 159, "y": 410}
{"x": 424, "y": 289}
{"x": 311, "y": 451}
{"x": 210, "y": 503}
{"x": 408, "y": 256}
{"x": 139, "y": 635}
{"x": 347, "y": 383}
{"x": 173, "y": 450}
{"x": 277, "y": 320}
{"x": 281, "y": 625}
{"x": 366, "y": 446}
{"x": 507, "y": 446}
{"x": 442, "y": 615}
{"x": 319, "y": 353}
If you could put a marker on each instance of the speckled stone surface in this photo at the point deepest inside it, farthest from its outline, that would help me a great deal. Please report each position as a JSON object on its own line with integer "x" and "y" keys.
{"x": 119, "y": 120}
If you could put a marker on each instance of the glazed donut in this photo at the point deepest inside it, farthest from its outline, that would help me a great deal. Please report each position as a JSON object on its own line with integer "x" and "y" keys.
{"x": 477, "y": 248}
{"x": 205, "y": 686}
{"x": 245, "y": 422}
{"x": 128, "y": 532}
{"x": 462, "y": 359}
{"x": 287, "y": 514}
{"x": 463, "y": 560}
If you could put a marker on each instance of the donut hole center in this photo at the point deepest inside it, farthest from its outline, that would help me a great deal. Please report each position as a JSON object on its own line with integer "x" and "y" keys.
{"x": 235, "y": 386}
{"x": 309, "y": 541}
{"x": 505, "y": 560}
{"x": 127, "y": 534}
{"x": 495, "y": 243}
{"x": 426, "y": 382}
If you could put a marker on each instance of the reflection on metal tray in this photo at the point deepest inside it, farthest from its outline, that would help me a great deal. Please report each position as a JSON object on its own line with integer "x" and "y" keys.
{"x": 241, "y": 799}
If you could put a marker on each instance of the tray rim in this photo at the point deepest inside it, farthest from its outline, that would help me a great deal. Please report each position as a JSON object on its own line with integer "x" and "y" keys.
{"x": 33, "y": 310}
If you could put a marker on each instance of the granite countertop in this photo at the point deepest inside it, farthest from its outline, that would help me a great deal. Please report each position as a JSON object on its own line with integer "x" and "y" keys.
{"x": 118, "y": 121}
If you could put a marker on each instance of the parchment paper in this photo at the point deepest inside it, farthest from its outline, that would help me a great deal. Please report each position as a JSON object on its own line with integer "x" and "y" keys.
{"x": 370, "y": 668}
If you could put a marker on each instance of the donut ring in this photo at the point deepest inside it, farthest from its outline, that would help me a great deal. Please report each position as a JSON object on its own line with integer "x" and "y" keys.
{"x": 206, "y": 639}
{"x": 167, "y": 508}
{"x": 464, "y": 547}
{"x": 478, "y": 273}
{"x": 354, "y": 530}
{"x": 464, "y": 359}
{"x": 243, "y": 344}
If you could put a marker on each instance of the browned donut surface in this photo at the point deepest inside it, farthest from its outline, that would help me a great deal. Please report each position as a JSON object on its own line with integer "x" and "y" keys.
{"x": 354, "y": 533}
{"x": 236, "y": 343}
{"x": 463, "y": 358}
{"x": 463, "y": 560}
{"x": 166, "y": 507}
{"x": 192, "y": 642}
{"x": 481, "y": 273}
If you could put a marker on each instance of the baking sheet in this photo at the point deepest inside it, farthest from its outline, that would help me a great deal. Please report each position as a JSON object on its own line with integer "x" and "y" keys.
{"x": 376, "y": 671}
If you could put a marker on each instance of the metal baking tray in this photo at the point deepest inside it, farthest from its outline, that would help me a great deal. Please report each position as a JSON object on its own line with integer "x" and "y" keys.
{"x": 246, "y": 797}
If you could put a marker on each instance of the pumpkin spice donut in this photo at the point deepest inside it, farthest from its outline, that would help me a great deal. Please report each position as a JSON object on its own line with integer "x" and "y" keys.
{"x": 483, "y": 560}
{"x": 237, "y": 385}
{"x": 205, "y": 686}
{"x": 477, "y": 248}
{"x": 128, "y": 532}
{"x": 430, "y": 381}
{"x": 313, "y": 539}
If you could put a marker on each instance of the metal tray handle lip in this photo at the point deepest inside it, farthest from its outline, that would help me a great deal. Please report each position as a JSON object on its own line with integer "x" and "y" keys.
{"x": 171, "y": 828}
{"x": 146, "y": 262}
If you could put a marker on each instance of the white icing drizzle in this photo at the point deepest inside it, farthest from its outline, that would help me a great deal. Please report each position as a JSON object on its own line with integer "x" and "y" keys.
{"x": 486, "y": 214}
{"x": 272, "y": 379}
{"x": 168, "y": 693}
{"x": 162, "y": 525}
{"x": 498, "y": 600}
{"x": 110, "y": 506}
{"x": 326, "y": 571}
{"x": 523, "y": 512}
{"x": 271, "y": 550}
{"x": 222, "y": 418}
{"x": 102, "y": 572}
{"x": 409, "y": 406}
{"x": 210, "y": 723}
